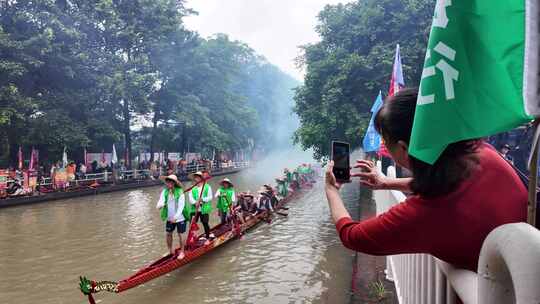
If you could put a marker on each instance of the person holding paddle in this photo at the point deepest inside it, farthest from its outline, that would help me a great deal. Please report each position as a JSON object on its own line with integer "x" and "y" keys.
{"x": 200, "y": 198}
{"x": 226, "y": 198}
{"x": 172, "y": 210}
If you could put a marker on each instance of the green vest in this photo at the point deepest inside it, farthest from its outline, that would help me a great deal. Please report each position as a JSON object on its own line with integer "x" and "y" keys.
{"x": 206, "y": 208}
{"x": 225, "y": 199}
{"x": 289, "y": 176}
{"x": 282, "y": 188}
{"x": 164, "y": 212}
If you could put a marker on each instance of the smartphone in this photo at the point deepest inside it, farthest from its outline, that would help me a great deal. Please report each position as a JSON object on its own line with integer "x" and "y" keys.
{"x": 342, "y": 166}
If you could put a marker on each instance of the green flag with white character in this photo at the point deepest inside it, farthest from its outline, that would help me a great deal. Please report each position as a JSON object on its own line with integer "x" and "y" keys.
{"x": 480, "y": 74}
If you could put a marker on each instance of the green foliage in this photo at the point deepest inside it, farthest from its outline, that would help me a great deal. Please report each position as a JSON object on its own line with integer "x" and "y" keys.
{"x": 353, "y": 61}
{"x": 86, "y": 73}
{"x": 378, "y": 291}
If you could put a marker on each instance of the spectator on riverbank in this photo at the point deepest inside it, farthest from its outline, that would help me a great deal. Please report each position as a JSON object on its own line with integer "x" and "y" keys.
{"x": 82, "y": 171}
{"x": 52, "y": 173}
{"x": 456, "y": 202}
{"x": 94, "y": 166}
{"x": 70, "y": 170}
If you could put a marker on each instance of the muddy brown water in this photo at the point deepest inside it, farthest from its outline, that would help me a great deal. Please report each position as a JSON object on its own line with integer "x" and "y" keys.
{"x": 295, "y": 259}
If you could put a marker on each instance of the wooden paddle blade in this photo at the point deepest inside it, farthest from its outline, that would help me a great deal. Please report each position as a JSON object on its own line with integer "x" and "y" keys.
{"x": 282, "y": 213}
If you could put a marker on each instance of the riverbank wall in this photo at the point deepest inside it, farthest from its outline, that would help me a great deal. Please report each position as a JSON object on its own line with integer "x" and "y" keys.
{"x": 106, "y": 188}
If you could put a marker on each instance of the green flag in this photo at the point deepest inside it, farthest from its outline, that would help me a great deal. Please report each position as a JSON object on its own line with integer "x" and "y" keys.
{"x": 480, "y": 74}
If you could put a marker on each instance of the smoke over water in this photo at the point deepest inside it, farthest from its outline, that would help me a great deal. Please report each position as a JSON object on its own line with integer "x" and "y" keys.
{"x": 267, "y": 169}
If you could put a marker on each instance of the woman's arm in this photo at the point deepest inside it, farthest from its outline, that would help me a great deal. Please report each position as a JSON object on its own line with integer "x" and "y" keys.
{"x": 337, "y": 209}
{"x": 402, "y": 184}
{"x": 373, "y": 179}
{"x": 392, "y": 232}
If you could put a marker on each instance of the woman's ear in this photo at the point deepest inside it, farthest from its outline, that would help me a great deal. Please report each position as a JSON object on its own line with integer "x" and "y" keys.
{"x": 403, "y": 146}
{"x": 403, "y": 150}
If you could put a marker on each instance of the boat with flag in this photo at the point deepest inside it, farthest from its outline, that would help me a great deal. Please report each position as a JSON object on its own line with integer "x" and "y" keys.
{"x": 195, "y": 246}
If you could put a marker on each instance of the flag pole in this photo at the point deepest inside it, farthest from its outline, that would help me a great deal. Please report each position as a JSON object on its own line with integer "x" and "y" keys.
{"x": 533, "y": 176}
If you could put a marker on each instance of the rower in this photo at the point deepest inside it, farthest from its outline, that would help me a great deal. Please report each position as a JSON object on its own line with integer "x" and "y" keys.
{"x": 241, "y": 208}
{"x": 173, "y": 209}
{"x": 273, "y": 198}
{"x": 282, "y": 188}
{"x": 288, "y": 176}
{"x": 252, "y": 205}
{"x": 296, "y": 178}
{"x": 265, "y": 202}
{"x": 206, "y": 203}
{"x": 226, "y": 198}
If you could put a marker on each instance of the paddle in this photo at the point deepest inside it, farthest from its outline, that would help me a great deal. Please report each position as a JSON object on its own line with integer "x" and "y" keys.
{"x": 193, "y": 226}
{"x": 232, "y": 214}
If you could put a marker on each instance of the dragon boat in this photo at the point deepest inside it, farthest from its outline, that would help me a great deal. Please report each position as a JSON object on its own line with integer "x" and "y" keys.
{"x": 223, "y": 233}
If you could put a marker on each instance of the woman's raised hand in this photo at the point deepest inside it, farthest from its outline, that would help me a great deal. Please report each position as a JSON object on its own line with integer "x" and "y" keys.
{"x": 330, "y": 179}
{"x": 369, "y": 175}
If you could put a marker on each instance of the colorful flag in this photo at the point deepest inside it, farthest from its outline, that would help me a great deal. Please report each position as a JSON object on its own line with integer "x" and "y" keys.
{"x": 64, "y": 158}
{"x": 34, "y": 158}
{"x": 372, "y": 139}
{"x": 114, "y": 158}
{"x": 85, "y": 157}
{"x": 480, "y": 74}
{"x": 31, "y": 164}
{"x": 397, "y": 82}
{"x": 20, "y": 158}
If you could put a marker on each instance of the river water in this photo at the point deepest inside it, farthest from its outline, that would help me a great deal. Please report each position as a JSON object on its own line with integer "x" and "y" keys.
{"x": 295, "y": 259}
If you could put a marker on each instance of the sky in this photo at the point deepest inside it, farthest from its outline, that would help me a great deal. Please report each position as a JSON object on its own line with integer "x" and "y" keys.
{"x": 273, "y": 28}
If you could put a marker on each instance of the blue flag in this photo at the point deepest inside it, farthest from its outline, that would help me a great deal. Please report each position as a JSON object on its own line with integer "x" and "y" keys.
{"x": 372, "y": 139}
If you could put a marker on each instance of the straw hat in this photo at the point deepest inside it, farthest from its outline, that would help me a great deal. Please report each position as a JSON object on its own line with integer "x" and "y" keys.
{"x": 173, "y": 178}
{"x": 198, "y": 173}
{"x": 262, "y": 190}
{"x": 226, "y": 180}
{"x": 247, "y": 193}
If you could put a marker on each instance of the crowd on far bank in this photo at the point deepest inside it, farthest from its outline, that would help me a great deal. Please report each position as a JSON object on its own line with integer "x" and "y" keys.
{"x": 71, "y": 175}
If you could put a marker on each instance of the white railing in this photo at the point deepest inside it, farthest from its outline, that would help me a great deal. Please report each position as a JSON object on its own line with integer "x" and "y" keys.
{"x": 508, "y": 268}
{"x": 215, "y": 166}
{"x": 127, "y": 175}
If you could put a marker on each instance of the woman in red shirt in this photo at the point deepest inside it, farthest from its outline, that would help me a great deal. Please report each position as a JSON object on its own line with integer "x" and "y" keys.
{"x": 455, "y": 203}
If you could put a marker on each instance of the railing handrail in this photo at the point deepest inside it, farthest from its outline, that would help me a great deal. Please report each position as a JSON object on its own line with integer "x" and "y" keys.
{"x": 509, "y": 265}
{"x": 135, "y": 173}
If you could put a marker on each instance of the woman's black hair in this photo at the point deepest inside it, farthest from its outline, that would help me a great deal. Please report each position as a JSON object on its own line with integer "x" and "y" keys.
{"x": 394, "y": 122}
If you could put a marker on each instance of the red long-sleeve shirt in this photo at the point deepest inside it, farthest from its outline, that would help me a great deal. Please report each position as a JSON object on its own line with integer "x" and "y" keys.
{"x": 452, "y": 227}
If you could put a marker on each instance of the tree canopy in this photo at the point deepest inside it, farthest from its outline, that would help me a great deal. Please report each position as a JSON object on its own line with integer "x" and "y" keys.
{"x": 87, "y": 74}
{"x": 352, "y": 62}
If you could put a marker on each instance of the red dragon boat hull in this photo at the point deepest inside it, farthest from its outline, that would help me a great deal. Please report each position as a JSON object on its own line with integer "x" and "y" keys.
{"x": 223, "y": 234}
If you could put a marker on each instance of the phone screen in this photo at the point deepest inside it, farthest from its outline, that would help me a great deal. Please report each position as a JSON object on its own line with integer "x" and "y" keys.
{"x": 340, "y": 156}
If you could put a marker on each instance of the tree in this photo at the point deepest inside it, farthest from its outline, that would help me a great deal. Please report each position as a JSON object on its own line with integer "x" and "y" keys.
{"x": 352, "y": 63}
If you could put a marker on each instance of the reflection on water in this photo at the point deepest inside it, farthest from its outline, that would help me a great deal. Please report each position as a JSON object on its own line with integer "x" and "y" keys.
{"x": 45, "y": 247}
